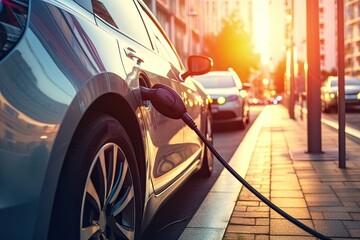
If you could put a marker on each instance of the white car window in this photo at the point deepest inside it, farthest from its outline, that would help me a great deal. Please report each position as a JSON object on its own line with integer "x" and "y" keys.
{"x": 123, "y": 16}
{"x": 218, "y": 81}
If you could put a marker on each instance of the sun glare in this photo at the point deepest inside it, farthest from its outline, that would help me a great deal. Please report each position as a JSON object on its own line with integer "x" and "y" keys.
{"x": 261, "y": 29}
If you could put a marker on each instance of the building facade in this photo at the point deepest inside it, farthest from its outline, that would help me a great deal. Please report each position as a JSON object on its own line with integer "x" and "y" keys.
{"x": 352, "y": 37}
{"x": 328, "y": 35}
{"x": 187, "y": 22}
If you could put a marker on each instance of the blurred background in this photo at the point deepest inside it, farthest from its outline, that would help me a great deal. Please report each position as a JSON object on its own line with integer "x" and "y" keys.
{"x": 255, "y": 38}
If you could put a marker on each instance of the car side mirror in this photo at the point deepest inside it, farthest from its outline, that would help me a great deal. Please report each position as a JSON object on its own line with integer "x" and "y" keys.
{"x": 197, "y": 65}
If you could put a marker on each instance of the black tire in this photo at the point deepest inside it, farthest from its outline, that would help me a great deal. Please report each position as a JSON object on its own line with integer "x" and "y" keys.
{"x": 247, "y": 121}
{"x": 241, "y": 124}
{"x": 325, "y": 108}
{"x": 98, "y": 195}
{"x": 208, "y": 158}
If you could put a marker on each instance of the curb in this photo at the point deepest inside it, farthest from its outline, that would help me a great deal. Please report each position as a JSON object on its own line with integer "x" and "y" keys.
{"x": 211, "y": 219}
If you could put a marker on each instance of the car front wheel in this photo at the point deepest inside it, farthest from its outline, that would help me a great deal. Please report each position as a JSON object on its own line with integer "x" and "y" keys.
{"x": 208, "y": 158}
{"x": 98, "y": 195}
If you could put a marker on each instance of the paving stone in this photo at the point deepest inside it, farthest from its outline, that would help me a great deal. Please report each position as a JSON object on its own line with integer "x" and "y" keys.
{"x": 287, "y": 193}
{"x": 292, "y": 238}
{"x": 324, "y": 203}
{"x": 263, "y": 221}
{"x": 299, "y": 213}
{"x": 248, "y": 229}
{"x": 240, "y": 208}
{"x": 334, "y": 209}
{"x": 285, "y": 227}
{"x": 354, "y": 232}
{"x": 350, "y": 204}
{"x": 251, "y": 214}
{"x": 352, "y": 224}
{"x": 242, "y": 221}
{"x": 261, "y": 237}
{"x": 317, "y": 215}
{"x": 247, "y": 203}
{"x": 337, "y": 215}
{"x": 258, "y": 209}
{"x": 316, "y": 189}
{"x": 289, "y": 202}
{"x": 238, "y": 236}
{"x": 355, "y": 216}
{"x": 321, "y": 196}
{"x": 283, "y": 186}
{"x": 331, "y": 228}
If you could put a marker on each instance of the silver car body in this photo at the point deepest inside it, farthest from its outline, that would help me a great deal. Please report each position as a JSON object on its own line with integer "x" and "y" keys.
{"x": 61, "y": 61}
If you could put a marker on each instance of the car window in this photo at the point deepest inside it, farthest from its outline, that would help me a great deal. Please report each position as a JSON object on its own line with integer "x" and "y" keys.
{"x": 219, "y": 81}
{"x": 161, "y": 42}
{"x": 333, "y": 83}
{"x": 123, "y": 16}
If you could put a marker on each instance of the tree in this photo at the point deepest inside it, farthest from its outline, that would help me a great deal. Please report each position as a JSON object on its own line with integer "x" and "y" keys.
{"x": 233, "y": 47}
{"x": 279, "y": 76}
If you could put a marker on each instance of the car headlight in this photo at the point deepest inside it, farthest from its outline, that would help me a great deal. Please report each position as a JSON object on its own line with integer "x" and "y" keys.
{"x": 358, "y": 96}
{"x": 243, "y": 93}
{"x": 221, "y": 100}
{"x": 328, "y": 96}
{"x": 13, "y": 16}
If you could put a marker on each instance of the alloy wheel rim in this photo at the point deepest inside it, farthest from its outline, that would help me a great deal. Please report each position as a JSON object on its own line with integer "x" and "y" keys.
{"x": 108, "y": 205}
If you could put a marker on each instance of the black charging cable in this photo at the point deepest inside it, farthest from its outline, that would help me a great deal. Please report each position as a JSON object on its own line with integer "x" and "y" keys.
{"x": 169, "y": 103}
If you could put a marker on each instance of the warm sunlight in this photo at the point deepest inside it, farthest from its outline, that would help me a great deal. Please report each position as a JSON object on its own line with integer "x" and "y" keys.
{"x": 261, "y": 29}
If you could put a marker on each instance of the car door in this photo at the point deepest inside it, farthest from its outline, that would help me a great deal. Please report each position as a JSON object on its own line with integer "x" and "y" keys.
{"x": 182, "y": 154}
{"x": 195, "y": 104}
{"x": 146, "y": 65}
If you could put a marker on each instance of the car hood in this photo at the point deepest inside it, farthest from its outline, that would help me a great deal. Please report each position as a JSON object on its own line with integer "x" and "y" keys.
{"x": 216, "y": 92}
{"x": 349, "y": 89}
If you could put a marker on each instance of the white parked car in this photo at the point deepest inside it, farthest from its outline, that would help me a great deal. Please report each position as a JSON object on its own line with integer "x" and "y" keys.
{"x": 229, "y": 100}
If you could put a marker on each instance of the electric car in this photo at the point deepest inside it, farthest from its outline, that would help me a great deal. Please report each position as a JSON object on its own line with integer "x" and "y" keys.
{"x": 82, "y": 154}
{"x": 229, "y": 100}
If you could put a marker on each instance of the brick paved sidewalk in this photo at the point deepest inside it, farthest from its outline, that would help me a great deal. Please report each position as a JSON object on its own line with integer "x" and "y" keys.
{"x": 316, "y": 191}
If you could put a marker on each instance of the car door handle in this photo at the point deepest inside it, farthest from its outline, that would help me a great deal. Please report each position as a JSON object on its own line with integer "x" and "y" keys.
{"x": 131, "y": 53}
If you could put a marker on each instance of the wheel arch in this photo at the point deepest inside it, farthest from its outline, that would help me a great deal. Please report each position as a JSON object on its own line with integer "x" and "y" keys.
{"x": 107, "y": 94}
{"x": 125, "y": 115}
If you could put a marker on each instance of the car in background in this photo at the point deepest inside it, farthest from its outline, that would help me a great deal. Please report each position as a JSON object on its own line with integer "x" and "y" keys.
{"x": 229, "y": 100}
{"x": 82, "y": 154}
{"x": 329, "y": 93}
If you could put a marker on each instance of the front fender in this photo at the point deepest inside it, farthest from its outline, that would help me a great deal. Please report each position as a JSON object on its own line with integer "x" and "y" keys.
{"x": 96, "y": 88}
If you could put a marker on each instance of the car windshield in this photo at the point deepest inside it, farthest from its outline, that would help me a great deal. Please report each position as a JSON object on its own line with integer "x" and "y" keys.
{"x": 348, "y": 81}
{"x": 218, "y": 81}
